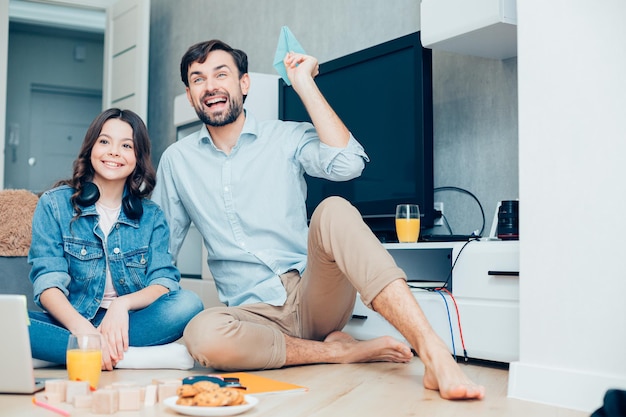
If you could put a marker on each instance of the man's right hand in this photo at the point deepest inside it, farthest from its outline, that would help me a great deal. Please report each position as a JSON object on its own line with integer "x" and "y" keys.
{"x": 300, "y": 69}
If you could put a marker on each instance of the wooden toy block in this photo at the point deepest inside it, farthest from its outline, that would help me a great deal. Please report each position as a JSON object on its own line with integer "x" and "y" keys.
{"x": 54, "y": 397}
{"x": 167, "y": 390}
{"x": 83, "y": 401}
{"x": 124, "y": 384}
{"x": 150, "y": 398}
{"x": 55, "y": 389}
{"x": 74, "y": 388}
{"x": 130, "y": 398}
{"x": 105, "y": 401}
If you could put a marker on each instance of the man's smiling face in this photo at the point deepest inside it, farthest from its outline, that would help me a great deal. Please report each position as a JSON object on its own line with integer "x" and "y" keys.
{"x": 215, "y": 89}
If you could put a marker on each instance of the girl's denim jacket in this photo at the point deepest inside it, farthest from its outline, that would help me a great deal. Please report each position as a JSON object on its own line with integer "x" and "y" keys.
{"x": 72, "y": 255}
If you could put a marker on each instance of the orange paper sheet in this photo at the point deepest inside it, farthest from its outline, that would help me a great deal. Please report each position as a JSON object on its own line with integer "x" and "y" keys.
{"x": 256, "y": 384}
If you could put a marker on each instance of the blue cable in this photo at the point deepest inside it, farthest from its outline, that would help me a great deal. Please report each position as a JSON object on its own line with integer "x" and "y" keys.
{"x": 449, "y": 321}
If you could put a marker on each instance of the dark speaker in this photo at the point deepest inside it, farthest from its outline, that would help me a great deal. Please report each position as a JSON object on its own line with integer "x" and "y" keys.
{"x": 508, "y": 220}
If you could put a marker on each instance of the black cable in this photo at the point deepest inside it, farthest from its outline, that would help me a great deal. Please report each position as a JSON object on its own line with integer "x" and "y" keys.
{"x": 462, "y": 190}
{"x": 445, "y": 221}
{"x": 447, "y": 281}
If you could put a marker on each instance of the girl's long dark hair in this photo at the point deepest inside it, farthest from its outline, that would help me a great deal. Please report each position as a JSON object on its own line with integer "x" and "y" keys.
{"x": 142, "y": 180}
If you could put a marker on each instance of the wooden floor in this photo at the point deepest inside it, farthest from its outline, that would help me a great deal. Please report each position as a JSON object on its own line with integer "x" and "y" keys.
{"x": 378, "y": 389}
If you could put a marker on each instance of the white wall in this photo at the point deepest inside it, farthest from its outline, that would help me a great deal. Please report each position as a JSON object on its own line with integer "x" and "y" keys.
{"x": 572, "y": 149}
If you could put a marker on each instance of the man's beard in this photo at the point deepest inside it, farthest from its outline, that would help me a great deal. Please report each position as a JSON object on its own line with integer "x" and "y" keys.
{"x": 216, "y": 120}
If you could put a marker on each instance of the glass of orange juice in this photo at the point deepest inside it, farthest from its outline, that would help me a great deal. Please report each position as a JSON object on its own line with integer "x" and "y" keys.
{"x": 84, "y": 358}
{"x": 407, "y": 223}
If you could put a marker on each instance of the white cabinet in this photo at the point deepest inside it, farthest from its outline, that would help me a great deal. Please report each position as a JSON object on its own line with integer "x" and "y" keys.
{"x": 486, "y": 28}
{"x": 485, "y": 285}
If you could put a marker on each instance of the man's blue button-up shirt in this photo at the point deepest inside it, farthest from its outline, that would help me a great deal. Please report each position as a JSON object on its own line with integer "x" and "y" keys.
{"x": 249, "y": 205}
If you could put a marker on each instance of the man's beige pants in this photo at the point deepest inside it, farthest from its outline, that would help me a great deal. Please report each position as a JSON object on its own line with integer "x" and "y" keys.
{"x": 344, "y": 257}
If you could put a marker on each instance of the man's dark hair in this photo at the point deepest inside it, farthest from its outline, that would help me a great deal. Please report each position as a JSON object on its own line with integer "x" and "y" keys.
{"x": 200, "y": 51}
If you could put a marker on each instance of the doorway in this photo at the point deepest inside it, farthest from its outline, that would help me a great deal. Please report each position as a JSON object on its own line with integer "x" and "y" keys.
{"x": 54, "y": 91}
{"x": 123, "y": 31}
{"x": 59, "y": 119}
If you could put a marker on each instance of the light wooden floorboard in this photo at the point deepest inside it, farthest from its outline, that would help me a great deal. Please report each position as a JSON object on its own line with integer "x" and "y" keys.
{"x": 364, "y": 390}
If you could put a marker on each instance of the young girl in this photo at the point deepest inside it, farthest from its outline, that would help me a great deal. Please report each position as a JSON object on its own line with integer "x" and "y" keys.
{"x": 99, "y": 252}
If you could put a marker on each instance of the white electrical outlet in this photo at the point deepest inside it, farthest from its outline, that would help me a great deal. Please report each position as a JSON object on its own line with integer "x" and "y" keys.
{"x": 439, "y": 207}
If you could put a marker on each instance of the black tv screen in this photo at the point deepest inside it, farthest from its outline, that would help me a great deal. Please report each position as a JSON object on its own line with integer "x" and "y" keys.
{"x": 384, "y": 96}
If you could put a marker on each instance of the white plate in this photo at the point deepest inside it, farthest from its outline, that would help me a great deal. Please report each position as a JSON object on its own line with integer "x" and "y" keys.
{"x": 229, "y": 410}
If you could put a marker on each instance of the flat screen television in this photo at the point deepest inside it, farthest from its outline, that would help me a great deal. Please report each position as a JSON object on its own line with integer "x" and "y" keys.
{"x": 384, "y": 96}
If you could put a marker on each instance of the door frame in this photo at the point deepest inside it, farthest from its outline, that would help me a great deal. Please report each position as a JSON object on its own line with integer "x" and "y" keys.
{"x": 4, "y": 53}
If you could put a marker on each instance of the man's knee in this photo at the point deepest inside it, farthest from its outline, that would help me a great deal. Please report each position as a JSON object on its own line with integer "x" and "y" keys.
{"x": 215, "y": 338}
{"x": 332, "y": 203}
{"x": 334, "y": 208}
{"x": 208, "y": 339}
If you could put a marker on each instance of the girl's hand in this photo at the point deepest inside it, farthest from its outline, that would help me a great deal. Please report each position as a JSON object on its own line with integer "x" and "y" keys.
{"x": 87, "y": 328}
{"x": 114, "y": 330}
{"x": 108, "y": 363}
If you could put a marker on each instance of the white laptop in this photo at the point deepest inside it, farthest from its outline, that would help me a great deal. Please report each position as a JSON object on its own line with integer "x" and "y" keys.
{"x": 16, "y": 363}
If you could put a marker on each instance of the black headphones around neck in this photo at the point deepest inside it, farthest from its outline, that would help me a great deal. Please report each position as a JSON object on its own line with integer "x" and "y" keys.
{"x": 131, "y": 204}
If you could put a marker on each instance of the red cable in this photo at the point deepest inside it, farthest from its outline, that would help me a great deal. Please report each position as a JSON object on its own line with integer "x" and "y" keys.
{"x": 458, "y": 318}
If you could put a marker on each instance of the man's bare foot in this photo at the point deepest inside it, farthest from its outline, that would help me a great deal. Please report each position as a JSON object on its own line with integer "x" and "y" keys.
{"x": 444, "y": 374}
{"x": 381, "y": 349}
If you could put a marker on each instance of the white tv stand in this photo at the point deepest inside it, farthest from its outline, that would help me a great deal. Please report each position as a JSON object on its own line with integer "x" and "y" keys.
{"x": 485, "y": 284}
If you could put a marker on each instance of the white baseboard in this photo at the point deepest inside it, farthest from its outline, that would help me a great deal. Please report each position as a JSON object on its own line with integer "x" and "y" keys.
{"x": 559, "y": 387}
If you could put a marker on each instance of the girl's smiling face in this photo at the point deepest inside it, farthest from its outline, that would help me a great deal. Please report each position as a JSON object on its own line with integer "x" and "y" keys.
{"x": 113, "y": 154}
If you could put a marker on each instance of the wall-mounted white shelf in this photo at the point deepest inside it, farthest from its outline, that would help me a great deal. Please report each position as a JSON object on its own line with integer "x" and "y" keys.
{"x": 485, "y": 28}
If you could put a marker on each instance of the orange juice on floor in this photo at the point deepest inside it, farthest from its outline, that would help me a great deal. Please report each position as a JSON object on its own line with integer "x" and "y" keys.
{"x": 408, "y": 230}
{"x": 84, "y": 365}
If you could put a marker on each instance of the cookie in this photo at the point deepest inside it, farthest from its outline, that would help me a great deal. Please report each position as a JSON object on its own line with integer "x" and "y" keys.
{"x": 235, "y": 396}
{"x": 205, "y": 386}
{"x": 216, "y": 398}
{"x": 186, "y": 390}
{"x": 188, "y": 401}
